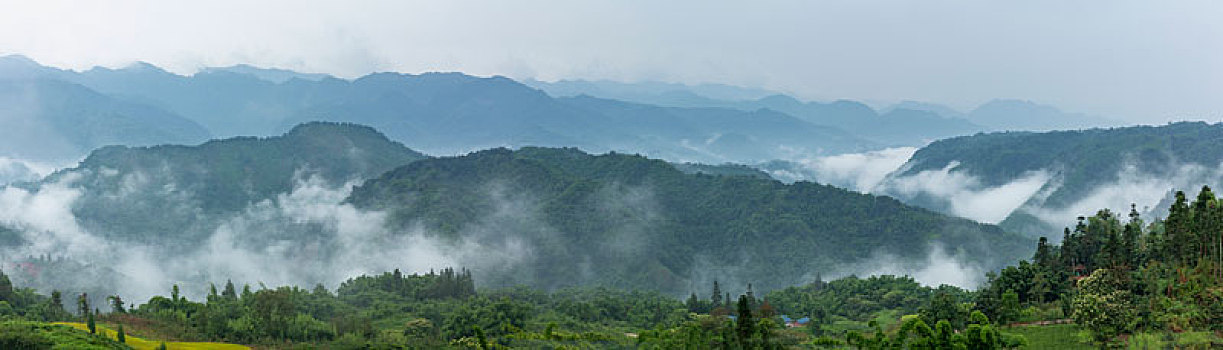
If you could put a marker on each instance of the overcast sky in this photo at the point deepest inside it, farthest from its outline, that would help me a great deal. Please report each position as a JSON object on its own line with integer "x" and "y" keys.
{"x": 1142, "y": 61}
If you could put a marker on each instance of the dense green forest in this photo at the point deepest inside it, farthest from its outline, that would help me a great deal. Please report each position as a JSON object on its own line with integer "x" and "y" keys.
{"x": 1118, "y": 280}
{"x": 626, "y": 221}
{"x": 444, "y": 310}
{"x": 1125, "y": 280}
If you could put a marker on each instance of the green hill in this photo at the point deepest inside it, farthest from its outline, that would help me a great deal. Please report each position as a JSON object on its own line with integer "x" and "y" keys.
{"x": 164, "y": 191}
{"x": 628, "y": 221}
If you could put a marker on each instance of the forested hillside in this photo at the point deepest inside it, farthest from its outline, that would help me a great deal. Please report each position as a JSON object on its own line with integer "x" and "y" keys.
{"x": 1126, "y": 280}
{"x": 1087, "y": 169}
{"x": 632, "y": 222}
{"x": 161, "y": 213}
{"x": 164, "y": 191}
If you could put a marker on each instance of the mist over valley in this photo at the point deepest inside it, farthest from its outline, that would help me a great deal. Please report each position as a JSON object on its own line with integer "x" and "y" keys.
{"x": 610, "y": 175}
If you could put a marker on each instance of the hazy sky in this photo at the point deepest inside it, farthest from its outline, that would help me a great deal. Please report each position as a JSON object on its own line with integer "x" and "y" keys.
{"x": 1148, "y": 61}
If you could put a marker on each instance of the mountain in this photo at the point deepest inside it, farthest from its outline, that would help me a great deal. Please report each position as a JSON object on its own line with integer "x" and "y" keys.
{"x": 939, "y": 109}
{"x": 1019, "y": 115}
{"x": 715, "y": 134}
{"x": 897, "y": 126}
{"x": 650, "y": 92}
{"x": 52, "y": 120}
{"x": 169, "y": 193}
{"x": 227, "y": 103}
{"x": 274, "y": 75}
{"x": 629, "y": 221}
{"x": 453, "y": 113}
{"x": 1049, "y": 178}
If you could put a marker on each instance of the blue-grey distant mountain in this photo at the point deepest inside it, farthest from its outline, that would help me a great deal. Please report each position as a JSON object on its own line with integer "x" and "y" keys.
{"x": 1019, "y": 115}
{"x": 452, "y": 113}
{"x": 718, "y": 135}
{"x": 55, "y": 121}
{"x": 274, "y": 75}
{"x": 939, "y": 109}
{"x": 896, "y": 127}
{"x": 659, "y": 93}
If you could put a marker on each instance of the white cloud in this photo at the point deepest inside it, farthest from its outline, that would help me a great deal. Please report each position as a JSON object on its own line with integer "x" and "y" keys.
{"x": 19, "y": 170}
{"x": 856, "y": 171}
{"x": 1132, "y": 186}
{"x": 965, "y": 195}
{"x": 939, "y": 268}
{"x": 45, "y": 216}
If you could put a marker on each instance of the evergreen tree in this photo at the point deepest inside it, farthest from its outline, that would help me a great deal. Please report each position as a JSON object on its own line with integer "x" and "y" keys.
{"x": 82, "y": 304}
{"x": 1044, "y": 253}
{"x": 1176, "y": 230}
{"x": 751, "y": 299}
{"x": 120, "y": 336}
{"x": 693, "y": 304}
{"x": 229, "y": 292}
{"x": 745, "y": 324}
{"x": 90, "y": 324}
{"x": 1130, "y": 237}
{"x": 716, "y": 298}
{"x": 6, "y": 288}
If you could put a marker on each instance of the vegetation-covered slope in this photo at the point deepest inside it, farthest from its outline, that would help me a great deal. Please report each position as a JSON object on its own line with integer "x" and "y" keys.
{"x": 629, "y": 221}
{"x": 37, "y": 336}
{"x": 1081, "y": 163}
{"x": 152, "y": 191}
{"x": 1126, "y": 280}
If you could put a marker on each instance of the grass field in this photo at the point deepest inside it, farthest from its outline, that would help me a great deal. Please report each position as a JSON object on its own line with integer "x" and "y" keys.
{"x": 143, "y": 344}
{"x": 1058, "y": 336}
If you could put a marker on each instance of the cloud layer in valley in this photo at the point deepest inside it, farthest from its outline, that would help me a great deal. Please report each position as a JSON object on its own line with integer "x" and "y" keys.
{"x": 855, "y": 171}
{"x": 964, "y": 195}
{"x": 303, "y": 237}
{"x": 939, "y": 268}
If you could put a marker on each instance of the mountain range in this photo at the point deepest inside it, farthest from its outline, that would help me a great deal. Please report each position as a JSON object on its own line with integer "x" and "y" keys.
{"x": 453, "y": 113}
{"x": 449, "y": 113}
{"x": 328, "y": 195}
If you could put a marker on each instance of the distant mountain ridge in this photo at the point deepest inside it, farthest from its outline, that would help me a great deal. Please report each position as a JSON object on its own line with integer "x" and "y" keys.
{"x": 908, "y": 123}
{"x": 52, "y": 120}
{"x": 450, "y": 113}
